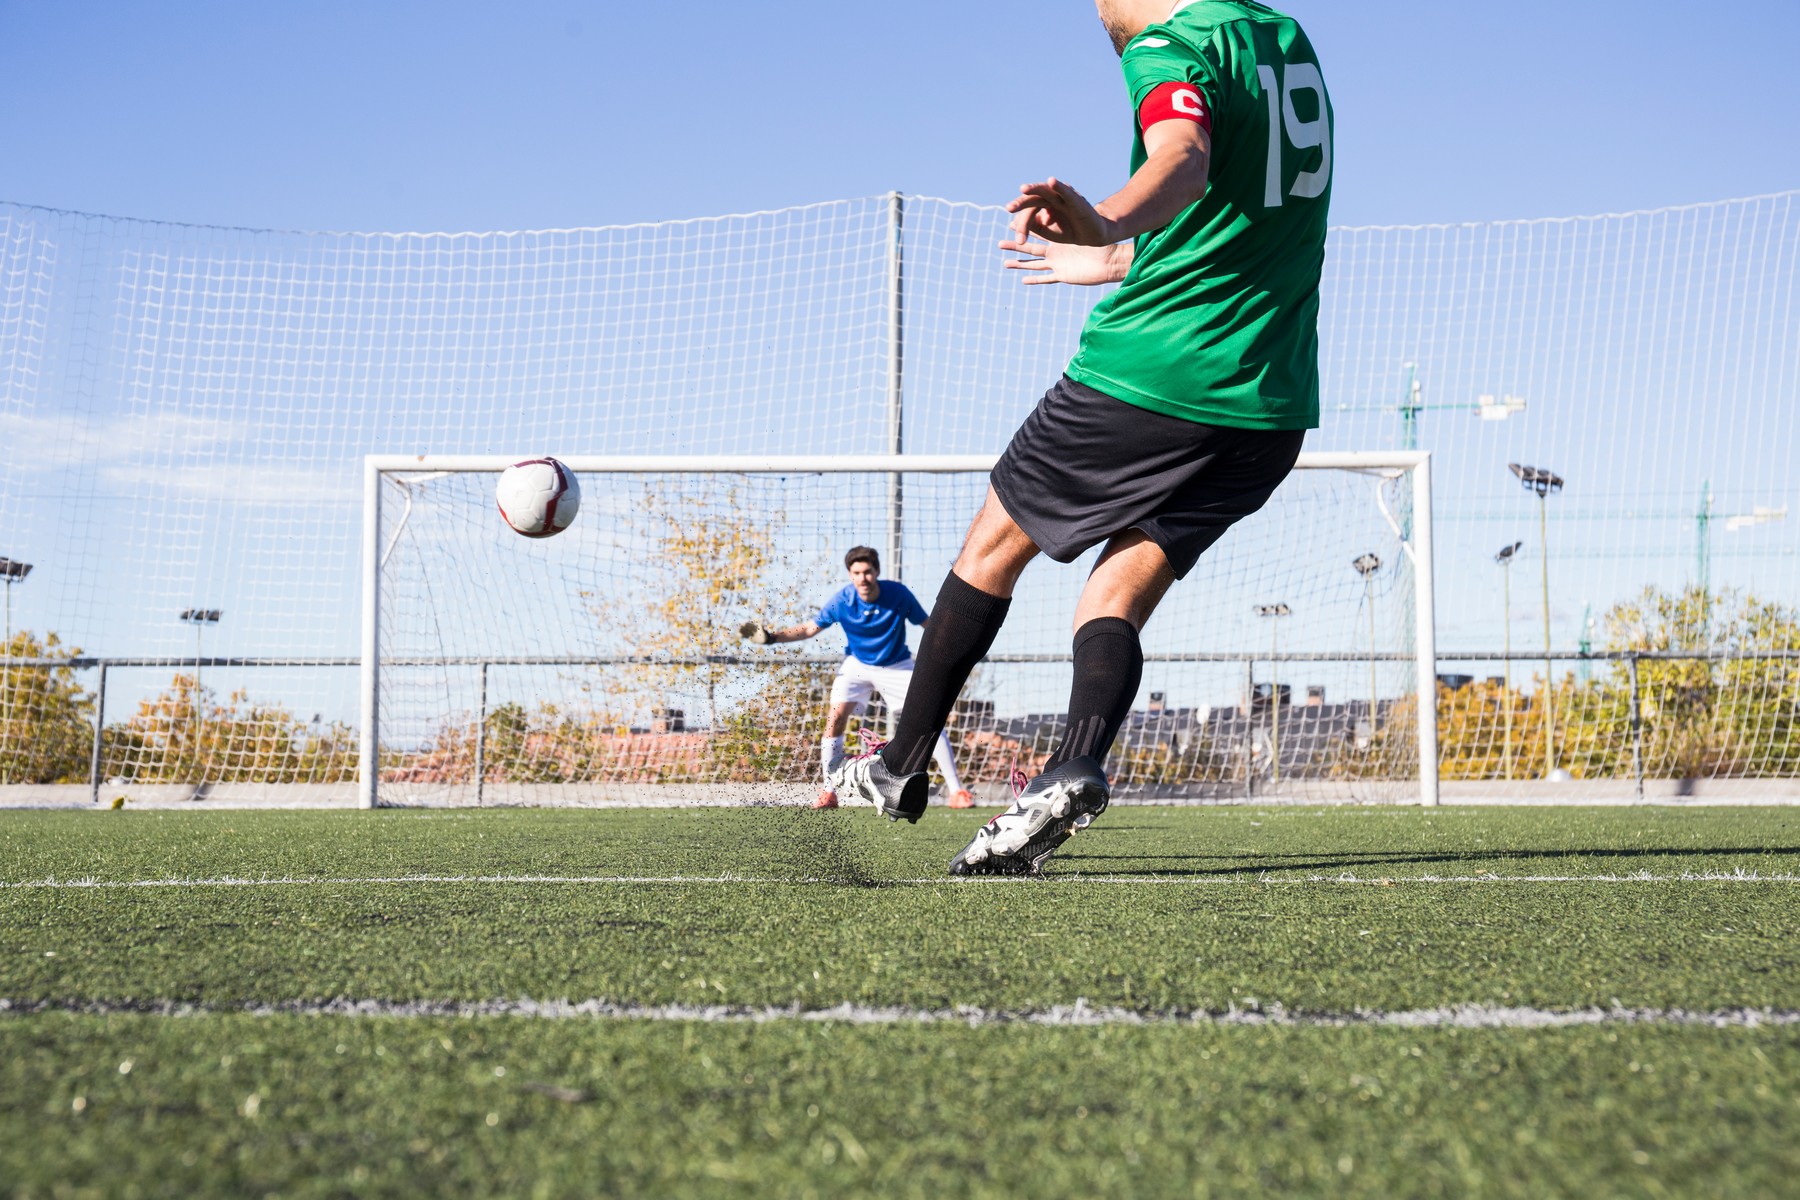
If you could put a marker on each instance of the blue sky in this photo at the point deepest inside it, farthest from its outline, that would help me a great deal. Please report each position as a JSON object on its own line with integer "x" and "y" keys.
{"x": 453, "y": 115}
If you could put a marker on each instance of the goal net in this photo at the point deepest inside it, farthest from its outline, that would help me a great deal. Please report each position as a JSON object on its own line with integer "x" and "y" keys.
{"x": 604, "y": 665}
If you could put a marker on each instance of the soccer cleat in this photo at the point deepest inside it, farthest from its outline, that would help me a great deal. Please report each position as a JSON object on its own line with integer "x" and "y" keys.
{"x": 1047, "y": 812}
{"x": 827, "y": 799}
{"x": 866, "y": 777}
{"x": 961, "y": 798}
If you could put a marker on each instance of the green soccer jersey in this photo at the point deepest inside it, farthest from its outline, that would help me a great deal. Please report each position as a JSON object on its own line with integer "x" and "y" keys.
{"x": 1218, "y": 318}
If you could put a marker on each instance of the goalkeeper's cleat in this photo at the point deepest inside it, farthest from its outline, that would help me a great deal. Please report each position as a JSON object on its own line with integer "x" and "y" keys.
{"x": 961, "y": 798}
{"x": 827, "y": 799}
{"x": 866, "y": 777}
{"x": 1047, "y": 812}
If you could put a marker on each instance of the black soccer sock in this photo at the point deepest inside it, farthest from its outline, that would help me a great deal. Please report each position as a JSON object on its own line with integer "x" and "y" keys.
{"x": 1109, "y": 665}
{"x": 962, "y": 627}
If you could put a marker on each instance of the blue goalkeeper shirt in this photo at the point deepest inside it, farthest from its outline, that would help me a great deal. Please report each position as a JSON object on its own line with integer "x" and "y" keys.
{"x": 875, "y": 629}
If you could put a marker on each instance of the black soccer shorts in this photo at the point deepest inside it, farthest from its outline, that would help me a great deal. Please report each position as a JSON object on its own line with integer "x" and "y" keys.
{"x": 1086, "y": 466}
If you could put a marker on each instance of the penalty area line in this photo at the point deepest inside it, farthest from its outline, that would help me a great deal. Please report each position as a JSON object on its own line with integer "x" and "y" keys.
{"x": 1223, "y": 880}
{"x": 231, "y": 881}
{"x": 1453, "y": 1016}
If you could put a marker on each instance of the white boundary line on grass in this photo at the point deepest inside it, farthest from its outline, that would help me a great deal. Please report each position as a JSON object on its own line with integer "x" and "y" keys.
{"x": 1455, "y": 1016}
{"x": 1247, "y": 877}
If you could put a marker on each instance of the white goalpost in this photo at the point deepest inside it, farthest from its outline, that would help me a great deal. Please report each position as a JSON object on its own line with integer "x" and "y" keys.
{"x": 602, "y": 665}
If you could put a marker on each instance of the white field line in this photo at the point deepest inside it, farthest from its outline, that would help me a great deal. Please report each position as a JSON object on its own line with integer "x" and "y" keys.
{"x": 1456, "y": 1016}
{"x": 1261, "y": 878}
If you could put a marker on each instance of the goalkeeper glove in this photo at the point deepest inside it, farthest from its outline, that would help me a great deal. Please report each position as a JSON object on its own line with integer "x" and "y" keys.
{"x": 755, "y": 631}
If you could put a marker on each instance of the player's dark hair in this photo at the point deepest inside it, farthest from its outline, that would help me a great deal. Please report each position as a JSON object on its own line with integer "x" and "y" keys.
{"x": 863, "y": 554}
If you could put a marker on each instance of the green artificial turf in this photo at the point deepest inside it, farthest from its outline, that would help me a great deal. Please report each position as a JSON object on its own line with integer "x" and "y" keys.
{"x": 1161, "y": 911}
{"x": 328, "y": 1106}
{"x": 852, "y": 846}
{"x": 1234, "y": 922}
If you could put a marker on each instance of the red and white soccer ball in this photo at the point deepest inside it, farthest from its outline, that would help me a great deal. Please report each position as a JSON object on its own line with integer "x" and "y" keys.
{"x": 538, "y": 497}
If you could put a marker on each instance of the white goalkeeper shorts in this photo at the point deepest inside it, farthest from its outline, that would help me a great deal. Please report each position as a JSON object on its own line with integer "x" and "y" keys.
{"x": 857, "y": 681}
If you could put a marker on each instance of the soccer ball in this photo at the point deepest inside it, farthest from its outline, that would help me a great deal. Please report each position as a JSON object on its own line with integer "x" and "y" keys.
{"x": 538, "y": 497}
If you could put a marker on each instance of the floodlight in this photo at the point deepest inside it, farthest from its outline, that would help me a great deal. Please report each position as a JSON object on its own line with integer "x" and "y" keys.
{"x": 1759, "y": 515}
{"x": 1505, "y": 558}
{"x": 1537, "y": 479}
{"x": 1490, "y": 409}
{"x": 1274, "y": 610}
{"x": 200, "y": 619}
{"x": 1366, "y": 566}
{"x": 11, "y": 572}
{"x": 1542, "y": 483}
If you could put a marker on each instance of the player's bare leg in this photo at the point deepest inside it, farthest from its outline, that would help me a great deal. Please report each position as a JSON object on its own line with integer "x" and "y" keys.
{"x": 831, "y": 748}
{"x": 1126, "y": 585}
{"x": 995, "y": 551}
{"x": 971, "y": 606}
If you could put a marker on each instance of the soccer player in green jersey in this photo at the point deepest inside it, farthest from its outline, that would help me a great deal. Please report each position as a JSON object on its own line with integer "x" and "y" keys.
{"x": 1182, "y": 410}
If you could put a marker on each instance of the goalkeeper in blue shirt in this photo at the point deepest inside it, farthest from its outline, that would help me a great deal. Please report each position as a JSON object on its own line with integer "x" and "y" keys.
{"x": 873, "y": 612}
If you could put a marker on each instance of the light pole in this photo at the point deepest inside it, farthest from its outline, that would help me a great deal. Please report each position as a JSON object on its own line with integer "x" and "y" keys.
{"x": 1586, "y": 643}
{"x": 1274, "y": 611}
{"x": 1366, "y": 566}
{"x": 11, "y": 572}
{"x": 1544, "y": 484}
{"x": 199, "y": 618}
{"x": 1411, "y": 405}
{"x": 1704, "y": 519}
{"x": 1505, "y": 559}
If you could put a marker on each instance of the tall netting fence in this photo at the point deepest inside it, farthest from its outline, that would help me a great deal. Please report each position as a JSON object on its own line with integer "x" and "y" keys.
{"x": 183, "y": 411}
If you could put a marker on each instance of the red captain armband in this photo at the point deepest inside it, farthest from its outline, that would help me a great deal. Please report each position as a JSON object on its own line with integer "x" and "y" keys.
{"x": 1175, "y": 102}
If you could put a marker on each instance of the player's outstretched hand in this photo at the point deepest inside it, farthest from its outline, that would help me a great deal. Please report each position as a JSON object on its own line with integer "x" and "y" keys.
{"x": 1056, "y": 212}
{"x": 754, "y": 631}
{"x": 1055, "y": 263}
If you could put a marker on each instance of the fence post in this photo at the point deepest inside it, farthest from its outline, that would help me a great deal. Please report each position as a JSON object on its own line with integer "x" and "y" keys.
{"x": 1637, "y": 725}
{"x": 895, "y": 440}
{"x": 481, "y": 740}
{"x": 1249, "y": 728}
{"x": 94, "y": 754}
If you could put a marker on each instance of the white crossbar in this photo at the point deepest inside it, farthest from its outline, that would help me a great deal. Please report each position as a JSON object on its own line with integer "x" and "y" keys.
{"x": 823, "y": 464}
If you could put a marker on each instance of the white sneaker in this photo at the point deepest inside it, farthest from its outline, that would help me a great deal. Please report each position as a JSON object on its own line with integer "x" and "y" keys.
{"x": 1048, "y": 811}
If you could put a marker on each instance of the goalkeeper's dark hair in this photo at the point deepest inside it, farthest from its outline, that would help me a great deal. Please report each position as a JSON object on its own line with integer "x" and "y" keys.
{"x": 863, "y": 554}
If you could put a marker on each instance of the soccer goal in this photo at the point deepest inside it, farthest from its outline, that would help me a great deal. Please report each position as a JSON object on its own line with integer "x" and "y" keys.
{"x": 603, "y": 665}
